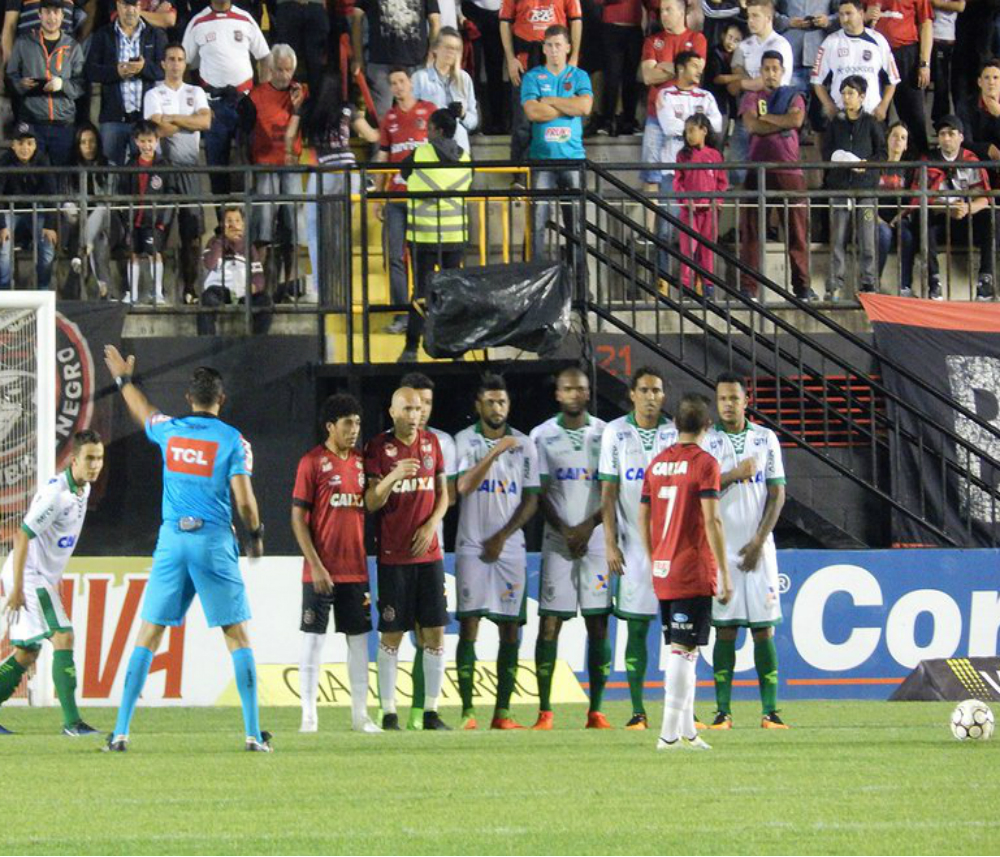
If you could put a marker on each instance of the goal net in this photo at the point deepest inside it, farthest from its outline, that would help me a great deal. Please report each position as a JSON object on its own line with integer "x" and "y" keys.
{"x": 27, "y": 434}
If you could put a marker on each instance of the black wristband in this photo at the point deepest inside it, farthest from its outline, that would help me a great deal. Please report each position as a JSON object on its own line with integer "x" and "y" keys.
{"x": 258, "y": 533}
{"x": 123, "y": 381}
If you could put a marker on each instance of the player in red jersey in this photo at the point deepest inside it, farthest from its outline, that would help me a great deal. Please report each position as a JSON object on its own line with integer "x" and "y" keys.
{"x": 408, "y": 487}
{"x": 682, "y": 531}
{"x": 328, "y": 519}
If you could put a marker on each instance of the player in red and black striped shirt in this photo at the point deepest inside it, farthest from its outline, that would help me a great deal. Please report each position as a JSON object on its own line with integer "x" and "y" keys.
{"x": 328, "y": 519}
{"x": 680, "y": 526}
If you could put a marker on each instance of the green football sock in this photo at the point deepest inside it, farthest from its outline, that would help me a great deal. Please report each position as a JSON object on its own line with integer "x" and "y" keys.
{"x": 465, "y": 655}
{"x": 506, "y": 677}
{"x": 636, "y": 657}
{"x": 418, "y": 679}
{"x": 765, "y": 658}
{"x": 11, "y": 673}
{"x": 598, "y": 668}
{"x": 724, "y": 664}
{"x": 64, "y": 678}
{"x": 545, "y": 665}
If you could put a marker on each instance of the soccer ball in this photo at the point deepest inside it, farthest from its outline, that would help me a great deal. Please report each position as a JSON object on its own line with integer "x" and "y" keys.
{"x": 972, "y": 720}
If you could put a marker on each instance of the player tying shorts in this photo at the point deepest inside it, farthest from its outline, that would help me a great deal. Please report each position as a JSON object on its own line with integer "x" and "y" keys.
{"x": 196, "y": 550}
{"x": 32, "y": 576}
{"x": 682, "y": 534}
{"x": 328, "y": 519}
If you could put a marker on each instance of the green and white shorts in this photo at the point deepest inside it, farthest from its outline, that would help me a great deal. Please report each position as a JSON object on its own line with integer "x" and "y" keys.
{"x": 42, "y": 615}
{"x": 567, "y": 585}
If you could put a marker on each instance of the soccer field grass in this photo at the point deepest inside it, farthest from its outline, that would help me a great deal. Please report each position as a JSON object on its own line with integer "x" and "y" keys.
{"x": 850, "y": 777}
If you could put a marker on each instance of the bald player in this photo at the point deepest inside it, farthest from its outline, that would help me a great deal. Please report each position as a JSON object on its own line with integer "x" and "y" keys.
{"x": 408, "y": 489}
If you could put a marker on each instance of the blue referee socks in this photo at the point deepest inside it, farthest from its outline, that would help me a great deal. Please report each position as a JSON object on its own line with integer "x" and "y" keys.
{"x": 246, "y": 683}
{"x": 135, "y": 680}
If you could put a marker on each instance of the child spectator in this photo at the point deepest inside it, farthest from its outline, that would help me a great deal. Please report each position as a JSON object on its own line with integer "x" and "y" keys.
{"x": 148, "y": 222}
{"x": 853, "y": 137}
{"x": 700, "y": 214}
{"x": 719, "y": 74}
{"x": 893, "y": 228}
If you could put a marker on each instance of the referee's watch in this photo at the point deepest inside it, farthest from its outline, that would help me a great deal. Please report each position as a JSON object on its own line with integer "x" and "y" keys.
{"x": 258, "y": 533}
{"x": 924, "y": 64}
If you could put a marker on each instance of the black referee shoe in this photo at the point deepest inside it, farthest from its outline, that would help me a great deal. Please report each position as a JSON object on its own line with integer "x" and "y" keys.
{"x": 390, "y": 723}
{"x": 432, "y": 722}
{"x": 116, "y": 744}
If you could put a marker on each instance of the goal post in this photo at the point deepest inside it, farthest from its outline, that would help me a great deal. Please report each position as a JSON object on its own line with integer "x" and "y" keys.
{"x": 28, "y": 394}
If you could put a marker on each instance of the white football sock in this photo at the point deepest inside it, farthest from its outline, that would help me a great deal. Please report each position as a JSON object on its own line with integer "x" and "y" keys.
{"x": 357, "y": 670}
{"x": 678, "y": 684}
{"x": 688, "y": 729}
{"x": 157, "y": 265}
{"x": 309, "y": 663}
{"x": 388, "y": 661}
{"x": 134, "y": 277}
{"x": 433, "y": 676}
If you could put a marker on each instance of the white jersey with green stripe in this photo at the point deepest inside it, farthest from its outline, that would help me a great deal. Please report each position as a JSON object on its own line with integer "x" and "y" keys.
{"x": 53, "y": 525}
{"x": 626, "y": 451}
{"x": 568, "y": 461}
{"x": 447, "y": 444}
{"x": 490, "y": 505}
{"x": 742, "y": 503}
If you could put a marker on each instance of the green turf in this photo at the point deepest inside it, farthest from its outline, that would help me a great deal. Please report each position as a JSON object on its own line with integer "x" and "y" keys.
{"x": 848, "y": 778}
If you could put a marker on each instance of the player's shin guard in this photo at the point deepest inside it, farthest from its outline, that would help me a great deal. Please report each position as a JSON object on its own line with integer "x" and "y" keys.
{"x": 434, "y": 672}
{"x": 309, "y": 664}
{"x": 678, "y": 693}
{"x": 724, "y": 664}
{"x": 357, "y": 671}
{"x": 64, "y": 678}
{"x": 246, "y": 683}
{"x": 388, "y": 664}
{"x": 419, "y": 690}
{"x": 636, "y": 657}
{"x": 765, "y": 658}
{"x": 545, "y": 665}
{"x": 11, "y": 673}
{"x": 598, "y": 669}
{"x": 466, "y": 657}
{"x": 135, "y": 680}
{"x": 506, "y": 677}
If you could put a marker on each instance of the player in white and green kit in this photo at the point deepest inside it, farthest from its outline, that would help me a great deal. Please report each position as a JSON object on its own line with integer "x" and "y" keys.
{"x": 753, "y": 492}
{"x": 628, "y": 445}
{"x": 32, "y": 576}
{"x": 425, "y": 389}
{"x": 574, "y": 567}
{"x": 498, "y": 484}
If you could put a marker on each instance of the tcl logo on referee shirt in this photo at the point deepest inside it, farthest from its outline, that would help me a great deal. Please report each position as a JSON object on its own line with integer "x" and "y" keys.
{"x": 194, "y": 457}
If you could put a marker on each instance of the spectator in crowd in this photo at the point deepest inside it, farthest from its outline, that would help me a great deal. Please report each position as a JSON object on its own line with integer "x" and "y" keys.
{"x": 701, "y": 215}
{"x": 304, "y": 25}
{"x": 271, "y": 107}
{"x": 958, "y": 206}
{"x": 23, "y": 17}
{"x": 747, "y": 61}
{"x": 523, "y": 28}
{"x": 399, "y": 33}
{"x": 719, "y": 74}
{"x": 437, "y": 228}
{"x": 675, "y": 103}
{"x": 908, "y": 26}
{"x": 126, "y": 58}
{"x": 808, "y": 23}
{"x": 718, "y": 15}
{"x": 148, "y": 221}
{"x": 974, "y": 47}
{"x": 659, "y": 55}
{"x": 947, "y": 96}
{"x": 181, "y": 113}
{"x": 855, "y": 50}
{"x": 772, "y": 118}
{"x": 485, "y": 17}
{"x": 219, "y": 41}
{"x": 326, "y": 122}
{"x": 46, "y": 72}
{"x": 621, "y": 35}
{"x": 443, "y": 83}
{"x": 854, "y": 137}
{"x": 983, "y": 126}
{"x": 893, "y": 228}
{"x": 23, "y": 226}
{"x": 226, "y": 275}
{"x": 158, "y": 13}
{"x": 89, "y": 238}
{"x": 402, "y": 130}
{"x": 556, "y": 97}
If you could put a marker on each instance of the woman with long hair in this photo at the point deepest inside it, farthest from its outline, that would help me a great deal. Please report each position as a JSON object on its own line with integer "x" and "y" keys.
{"x": 444, "y": 82}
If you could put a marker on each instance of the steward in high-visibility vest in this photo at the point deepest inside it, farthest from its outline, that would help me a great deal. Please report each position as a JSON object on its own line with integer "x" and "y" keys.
{"x": 444, "y": 219}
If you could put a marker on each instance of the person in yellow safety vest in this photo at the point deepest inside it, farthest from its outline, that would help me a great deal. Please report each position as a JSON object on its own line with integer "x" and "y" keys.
{"x": 437, "y": 227}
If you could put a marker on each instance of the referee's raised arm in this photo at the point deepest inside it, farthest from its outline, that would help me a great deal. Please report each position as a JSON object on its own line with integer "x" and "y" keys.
{"x": 122, "y": 370}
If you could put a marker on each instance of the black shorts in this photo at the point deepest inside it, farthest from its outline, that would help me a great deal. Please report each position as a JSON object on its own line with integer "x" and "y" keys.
{"x": 687, "y": 621}
{"x": 411, "y": 594}
{"x": 352, "y": 609}
{"x": 147, "y": 240}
